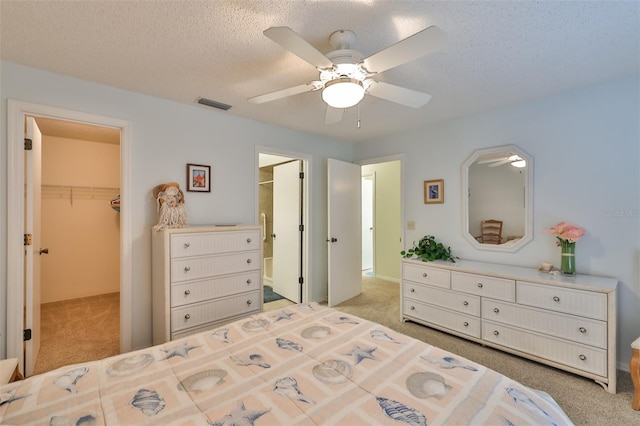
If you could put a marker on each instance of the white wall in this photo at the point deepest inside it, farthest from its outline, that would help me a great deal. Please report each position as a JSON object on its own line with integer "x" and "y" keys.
{"x": 165, "y": 137}
{"x": 79, "y": 227}
{"x": 586, "y": 150}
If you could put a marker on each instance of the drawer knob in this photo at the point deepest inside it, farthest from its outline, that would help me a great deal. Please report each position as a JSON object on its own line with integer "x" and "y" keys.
{"x": 249, "y": 281}
{"x": 465, "y": 303}
{"x": 480, "y": 285}
{"x": 187, "y": 316}
{"x": 496, "y": 310}
{"x": 582, "y": 357}
{"x": 496, "y": 332}
{"x": 424, "y": 274}
{"x": 466, "y": 324}
{"x": 187, "y": 292}
{"x": 248, "y": 260}
{"x": 248, "y": 302}
{"x": 413, "y": 290}
{"x": 187, "y": 245}
{"x": 582, "y": 330}
{"x": 556, "y": 299}
{"x": 413, "y": 308}
{"x": 248, "y": 240}
{"x": 187, "y": 268}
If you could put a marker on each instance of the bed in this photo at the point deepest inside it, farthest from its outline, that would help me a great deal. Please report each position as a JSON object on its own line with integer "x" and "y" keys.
{"x": 306, "y": 364}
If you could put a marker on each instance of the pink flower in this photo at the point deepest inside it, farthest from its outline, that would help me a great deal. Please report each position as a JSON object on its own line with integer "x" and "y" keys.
{"x": 566, "y": 232}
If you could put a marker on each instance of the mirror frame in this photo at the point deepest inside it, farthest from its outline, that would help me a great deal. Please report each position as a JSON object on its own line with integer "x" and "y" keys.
{"x": 528, "y": 184}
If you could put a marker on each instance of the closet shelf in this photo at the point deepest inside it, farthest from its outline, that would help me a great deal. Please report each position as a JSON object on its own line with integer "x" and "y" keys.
{"x": 78, "y": 192}
{"x": 80, "y": 188}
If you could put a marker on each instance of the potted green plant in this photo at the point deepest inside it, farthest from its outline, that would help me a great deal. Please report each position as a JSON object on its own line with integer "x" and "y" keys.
{"x": 428, "y": 249}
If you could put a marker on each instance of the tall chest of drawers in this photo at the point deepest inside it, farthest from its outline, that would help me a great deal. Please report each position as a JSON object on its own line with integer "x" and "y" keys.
{"x": 565, "y": 322}
{"x": 204, "y": 277}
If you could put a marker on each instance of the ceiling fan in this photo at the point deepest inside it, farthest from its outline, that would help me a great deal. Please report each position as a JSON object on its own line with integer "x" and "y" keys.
{"x": 345, "y": 77}
{"x": 514, "y": 160}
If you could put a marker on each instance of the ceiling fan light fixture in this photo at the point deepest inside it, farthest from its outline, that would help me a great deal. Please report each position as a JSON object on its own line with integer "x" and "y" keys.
{"x": 343, "y": 92}
{"x": 517, "y": 161}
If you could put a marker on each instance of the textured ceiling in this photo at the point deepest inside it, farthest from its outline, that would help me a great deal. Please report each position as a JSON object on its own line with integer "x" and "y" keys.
{"x": 498, "y": 53}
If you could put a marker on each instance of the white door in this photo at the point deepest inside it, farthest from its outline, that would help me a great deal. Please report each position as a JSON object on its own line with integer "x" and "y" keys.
{"x": 344, "y": 225}
{"x": 367, "y": 221}
{"x": 286, "y": 222}
{"x": 33, "y": 161}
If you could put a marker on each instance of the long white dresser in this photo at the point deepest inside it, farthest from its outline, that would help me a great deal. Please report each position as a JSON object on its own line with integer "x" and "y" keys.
{"x": 204, "y": 277}
{"x": 566, "y": 322}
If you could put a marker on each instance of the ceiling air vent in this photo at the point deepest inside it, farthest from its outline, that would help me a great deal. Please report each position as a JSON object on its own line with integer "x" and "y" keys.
{"x": 213, "y": 104}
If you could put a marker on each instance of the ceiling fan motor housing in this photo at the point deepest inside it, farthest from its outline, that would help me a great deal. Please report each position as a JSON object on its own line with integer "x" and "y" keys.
{"x": 345, "y": 65}
{"x": 342, "y": 39}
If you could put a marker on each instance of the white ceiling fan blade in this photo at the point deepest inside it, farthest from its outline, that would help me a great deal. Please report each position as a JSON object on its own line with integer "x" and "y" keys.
{"x": 291, "y": 41}
{"x": 397, "y": 94}
{"x": 333, "y": 115}
{"x": 427, "y": 41}
{"x": 491, "y": 160}
{"x": 279, "y": 94}
{"x": 500, "y": 162}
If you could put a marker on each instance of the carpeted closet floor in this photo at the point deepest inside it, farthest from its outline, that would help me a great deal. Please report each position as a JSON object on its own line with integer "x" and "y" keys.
{"x": 78, "y": 330}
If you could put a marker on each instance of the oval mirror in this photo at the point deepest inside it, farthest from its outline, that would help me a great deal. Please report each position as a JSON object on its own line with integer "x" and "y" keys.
{"x": 497, "y": 201}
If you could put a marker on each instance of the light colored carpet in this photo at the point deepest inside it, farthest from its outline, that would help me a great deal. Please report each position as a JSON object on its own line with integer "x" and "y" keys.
{"x": 584, "y": 401}
{"x": 78, "y": 330}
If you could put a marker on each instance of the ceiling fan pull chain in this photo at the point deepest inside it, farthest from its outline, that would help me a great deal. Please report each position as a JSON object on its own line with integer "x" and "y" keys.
{"x": 358, "y": 123}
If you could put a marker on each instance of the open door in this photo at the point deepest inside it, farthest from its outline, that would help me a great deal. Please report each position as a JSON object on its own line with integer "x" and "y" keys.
{"x": 286, "y": 230}
{"x": 33, "y": 162}
{"x": 344, "y": 241}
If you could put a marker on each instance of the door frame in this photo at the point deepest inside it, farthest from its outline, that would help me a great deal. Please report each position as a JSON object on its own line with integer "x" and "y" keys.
{"x": 306, "y": 213}
{"x": 16, "y": 112}
{"x": 372, "y": 206}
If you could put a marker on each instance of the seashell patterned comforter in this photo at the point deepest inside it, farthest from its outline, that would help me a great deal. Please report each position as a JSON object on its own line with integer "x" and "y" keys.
{"x": 306, "y": 364}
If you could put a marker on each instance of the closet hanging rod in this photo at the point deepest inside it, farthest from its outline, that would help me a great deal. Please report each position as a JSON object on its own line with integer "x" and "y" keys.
{"x": 82, "y": 188}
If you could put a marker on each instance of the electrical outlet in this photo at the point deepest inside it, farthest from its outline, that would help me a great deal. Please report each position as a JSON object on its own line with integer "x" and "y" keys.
{"x": 411, "y": 225}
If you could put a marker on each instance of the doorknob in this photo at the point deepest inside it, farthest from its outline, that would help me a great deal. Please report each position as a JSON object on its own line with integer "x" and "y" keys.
{"x": 273, "y": 235}
{"x": 332, "y": 240}
{"x": 43, "y": 251}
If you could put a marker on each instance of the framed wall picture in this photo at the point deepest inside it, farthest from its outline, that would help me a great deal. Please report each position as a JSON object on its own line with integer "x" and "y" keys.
{"x": 198, "y": 178}
{"x": 434, "y": 191}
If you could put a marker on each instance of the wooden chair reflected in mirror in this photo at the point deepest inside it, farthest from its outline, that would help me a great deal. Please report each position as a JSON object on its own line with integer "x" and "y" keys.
{"x": 490, "y": 232}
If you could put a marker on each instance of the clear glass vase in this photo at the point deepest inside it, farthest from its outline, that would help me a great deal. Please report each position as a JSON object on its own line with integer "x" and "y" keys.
{"x": 568, "y": 261}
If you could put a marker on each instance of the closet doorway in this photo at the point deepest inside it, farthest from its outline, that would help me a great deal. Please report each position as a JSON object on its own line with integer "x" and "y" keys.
{"x": 80, "y": 243}
{"x": 282, "y": 215}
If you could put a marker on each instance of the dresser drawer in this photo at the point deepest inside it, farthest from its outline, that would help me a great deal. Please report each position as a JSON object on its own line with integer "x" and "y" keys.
{"x": 586, "y": 358}
{"x": 197, "y": 244}
{"x": 194, "y": 268}
{"x": 198, "y": 291}
{"x": 200, "y": 313}
{"x": 452, "y": 320}
{"x": 461, "y": 302}
{"x": 571, "y": 301}
{"x": 482, "y": 285}
{"x": 426, "y": 275}
{"x": 578, "y": 329}
{"x": 209, "y": 326}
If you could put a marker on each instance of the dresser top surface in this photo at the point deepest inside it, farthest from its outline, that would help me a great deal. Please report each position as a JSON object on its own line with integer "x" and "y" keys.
{"x": 588, "y": 282}
{"x": 207, "y": 228}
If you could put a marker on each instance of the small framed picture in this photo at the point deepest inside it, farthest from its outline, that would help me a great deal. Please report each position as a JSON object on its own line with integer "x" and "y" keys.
{"x": 198, "y": 178}
{"x": 434, "y": 191}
